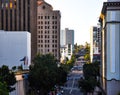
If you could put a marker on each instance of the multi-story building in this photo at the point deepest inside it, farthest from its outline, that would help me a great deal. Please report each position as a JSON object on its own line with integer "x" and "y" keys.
{"x": 67, "y": 43}
{"x": 20, "y": 15}
{"x": 95, "y": 43}
{"x": 110, "y": 26}
{"x": 14, "y": 46}
{"x": 48, "y": 29}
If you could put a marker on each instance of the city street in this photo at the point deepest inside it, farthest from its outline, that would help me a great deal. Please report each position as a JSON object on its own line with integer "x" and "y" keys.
{"x": 71, "y": 86}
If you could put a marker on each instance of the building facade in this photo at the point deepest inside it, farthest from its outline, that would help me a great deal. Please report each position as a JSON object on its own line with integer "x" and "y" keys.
{"x": 95, "y": 43}
{"x": 14, "y": 46}
{"x": 48, "y": 29}
{"x": 66, "y": 43}
{"x": 110, "y": 26}
{"x": 20, "y": 15}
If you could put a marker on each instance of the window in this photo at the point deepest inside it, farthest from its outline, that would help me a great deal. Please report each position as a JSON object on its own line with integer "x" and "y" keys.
{"x": 52, "y": 36}
{"x": 45, "y": 22}
{"x": 41, "y": 32}
{"x": 45, "y": 17}
{"x": 52, "y": 17}
{"x": 41, "y": 17}
{"x": 41, "y": 27}
{"x": 41, "y": 22}
{"x": 48, "y": 50}
{"x": 45, "y": 27}
{"x": 52, "y": 27}
{"x": 45, "y": 32}
{"x": 55, "y": 27}
{"x": 43, "y": 7}
{"x": 38, "y": 17}
{"x": 56, "y": 32}
{"x": 45, "y": 36}
{"x": 38, "y": 27}
{"x": 55, "y": 17}
{"x": 48, "y": 17}
{"x": 38, "y": 22}
{"x": 53, "y": 32}
{"x": 38, "y": 41}
{"x": 53, "y": 22}
{"x": 38, "y": 45}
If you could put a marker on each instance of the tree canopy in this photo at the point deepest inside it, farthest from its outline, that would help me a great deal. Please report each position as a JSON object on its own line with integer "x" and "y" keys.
{"x": 45, "y": 74}
{"x": 8, "y": 77}
{"x": 91, "y": 72}
{"x": 3, "y": 89}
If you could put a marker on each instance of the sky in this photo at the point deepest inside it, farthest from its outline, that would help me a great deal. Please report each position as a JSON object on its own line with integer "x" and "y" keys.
{"x": 78, "y": 15}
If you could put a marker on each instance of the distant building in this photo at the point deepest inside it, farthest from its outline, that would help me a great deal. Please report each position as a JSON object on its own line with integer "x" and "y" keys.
{"x": 48, "y": 29}
{"x": 67, "y": 43}
{"x": 110, "y": 25}
{"x": 95, "y": 43}
{"x": 20, "y": 15}
{"x": 15, "y": 48}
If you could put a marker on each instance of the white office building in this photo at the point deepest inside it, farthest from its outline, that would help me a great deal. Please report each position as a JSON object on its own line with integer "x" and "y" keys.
{"x": 95, "y": 43}
{"x": 15, "y": 48}
{"x": 110, "y": 25}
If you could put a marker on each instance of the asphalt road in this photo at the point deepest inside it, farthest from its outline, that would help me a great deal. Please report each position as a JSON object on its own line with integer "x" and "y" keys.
{"x": 71, "y": 86}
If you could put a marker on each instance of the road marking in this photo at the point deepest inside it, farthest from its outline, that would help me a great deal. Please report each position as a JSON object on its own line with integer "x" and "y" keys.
{"x": 72, "y": 85}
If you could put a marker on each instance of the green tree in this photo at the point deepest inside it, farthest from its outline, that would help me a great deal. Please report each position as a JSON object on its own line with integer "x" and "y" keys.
{"x": 3, "y": 89}
{"x": 87, "y": 85}
{"x": 8, "y": 77}
{"x": 91, "y": 72}
{"x": 14, "y": 68}
{"x": 87, "y": 52}
{"x": 20, "y": 68}
{"x": 45, "y": 74}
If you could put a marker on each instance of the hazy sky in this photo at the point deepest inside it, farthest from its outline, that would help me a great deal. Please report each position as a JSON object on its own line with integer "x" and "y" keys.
{"x": 78, "y": 15}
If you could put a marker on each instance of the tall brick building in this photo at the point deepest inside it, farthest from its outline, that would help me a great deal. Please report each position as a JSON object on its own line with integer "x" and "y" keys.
{"x": 20, "y": 15}
{"x": 48, "y": 29}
